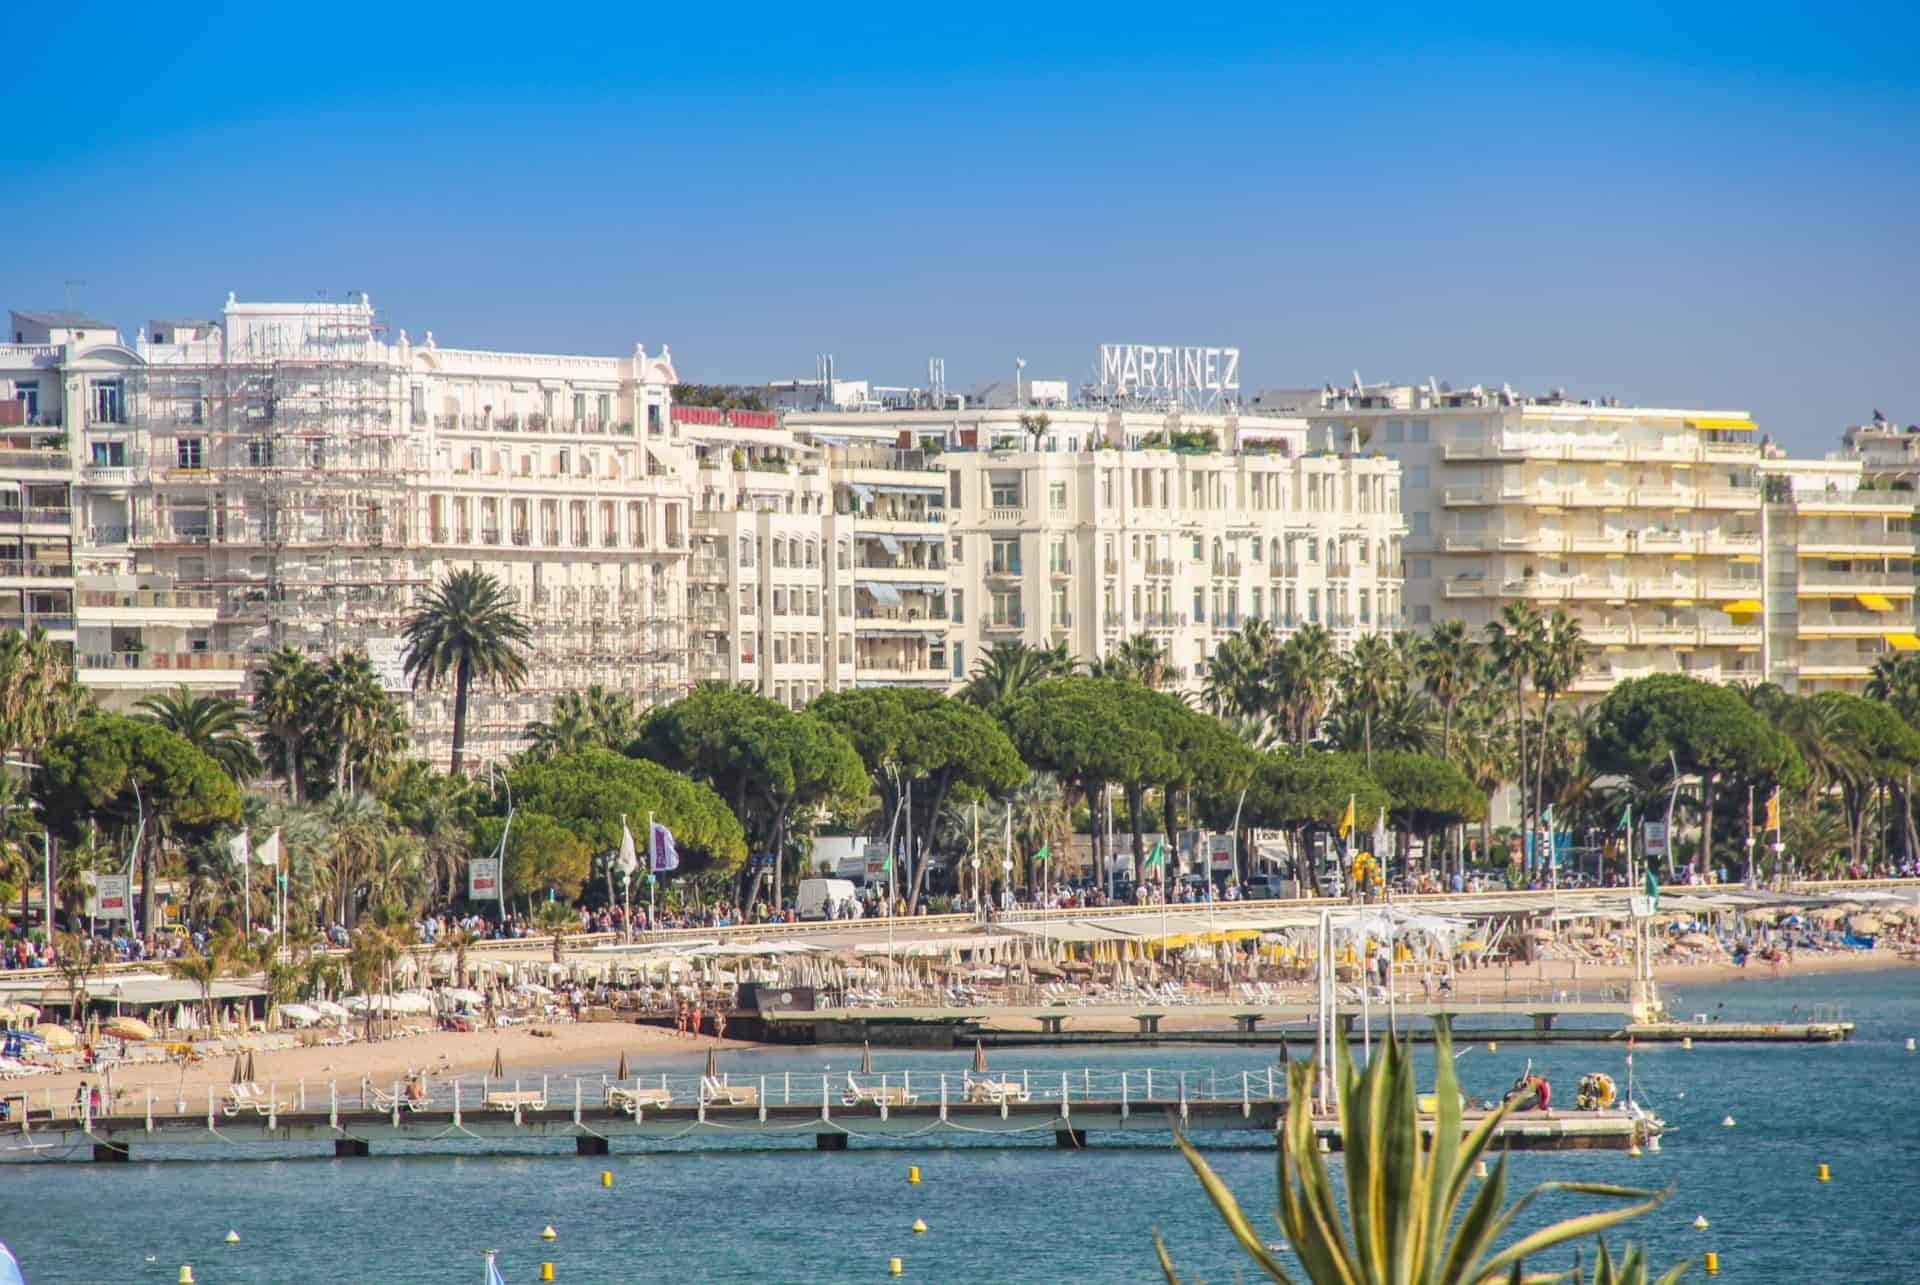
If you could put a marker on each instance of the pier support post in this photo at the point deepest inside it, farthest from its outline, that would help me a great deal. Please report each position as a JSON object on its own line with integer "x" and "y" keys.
{"x": 350, "y": 1148}
{"x": 109, "y": 1153}
{"x": 588, "y": 1145}
{"x": 829, "y": 1142}
{"x": 1543, "y": 1021}
{"x": 1069, "y": 1139}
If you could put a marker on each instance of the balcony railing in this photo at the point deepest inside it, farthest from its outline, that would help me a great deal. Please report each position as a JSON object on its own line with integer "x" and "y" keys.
{"x": 36, "y": 514}
{"x": 34, "y": 569}
{"x": 171, "y": 662}
{"x": 523, "y": 538}
{"x": 1062, "y": 567}
{"x": 1004, "y": 569}
{"x": 1159, "y": 566}
{"x": 56, "y": 461}
{"x": 1111, "y": 566}
{"x": 157, "y": 599}
{"x": 44, "y": 619}
{"x": 1004, "y": 620}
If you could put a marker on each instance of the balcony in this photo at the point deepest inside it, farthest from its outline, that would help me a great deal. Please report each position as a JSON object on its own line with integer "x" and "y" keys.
{"x": 909, "y": 619}
{"x": 1159, "y": 566}
{"x": 1060, "y": 568}
{"x": 145, "y": 668}
{"x": 1114, "y": 619}
{"x": 490, "y": 535}
{"x": 143, "y": 600}
{"x": 1000, "y": 621}
{"x": 1004, "y": 570}
{"x": 108, "y": 534}
{"x": 1226, "y": 566}
{"x": 1061, "y": 622}
{"x": 35, "y": 462}
{"x": 37, "y": 514}
{"x": 1005, "y": 514}
{"x": 34, "y": 569}
{"x": 1111, "y": 566}
{"x": 523, "y": 539}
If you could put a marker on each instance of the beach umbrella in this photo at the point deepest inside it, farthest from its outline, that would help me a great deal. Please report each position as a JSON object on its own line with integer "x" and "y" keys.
{"x": 979, "y": 1057}
{"x": 712, "y": 1069}
{"x": 499, "y": 1070}
{"x": 866, "y": 1058}
{"x": 55, "y": 1036}
{"x": 621, "y": 1074}
{"x": 1866, "y": 925}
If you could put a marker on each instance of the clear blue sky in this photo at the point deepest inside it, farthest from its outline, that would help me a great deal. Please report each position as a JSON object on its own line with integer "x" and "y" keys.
{"x": 1696, "y": 206}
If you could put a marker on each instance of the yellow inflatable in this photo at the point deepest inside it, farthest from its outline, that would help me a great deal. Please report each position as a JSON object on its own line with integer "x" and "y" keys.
{"x": 1596, "y": 1091}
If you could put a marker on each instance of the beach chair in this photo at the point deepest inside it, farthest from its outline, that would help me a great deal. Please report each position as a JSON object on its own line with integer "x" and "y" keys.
{"x": 510, "y": 1100}
{"x": 714, "y": 1092}
{"x": 382, "y": 1100}
{"x": 892, "y": 1095}
{"x": 249, "y": 1097}
{"x": 625, "y": 1099}
{"x": 993, "y": 1092}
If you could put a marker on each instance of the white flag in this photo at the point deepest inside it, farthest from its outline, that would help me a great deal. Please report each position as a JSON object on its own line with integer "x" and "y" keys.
{"x": 629, "y": 860}
{"x": 239, "y": 849}
{"x": 665, "y": 855}
{"x": 268, "y": 853}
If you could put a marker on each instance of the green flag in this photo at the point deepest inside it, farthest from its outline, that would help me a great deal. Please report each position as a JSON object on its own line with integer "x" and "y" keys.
{"x": 1653, "y": 887}
{"x": 1158, "y": 856}
{"x": 886, "y": 867}
{"x": 1042, "y": 854}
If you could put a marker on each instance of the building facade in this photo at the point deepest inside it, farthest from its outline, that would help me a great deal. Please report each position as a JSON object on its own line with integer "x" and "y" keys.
{"x": 1644, "y": 525}
{"x": 1084, "y": 526}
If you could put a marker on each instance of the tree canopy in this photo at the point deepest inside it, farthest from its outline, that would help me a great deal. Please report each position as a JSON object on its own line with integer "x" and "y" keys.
{"x": 590, "y": 791}
{"x": 119, "y": 767}
{"x": 1429, "y": 793}
{"x": 542, "y": 853}
{"x": 1296, "y": 789}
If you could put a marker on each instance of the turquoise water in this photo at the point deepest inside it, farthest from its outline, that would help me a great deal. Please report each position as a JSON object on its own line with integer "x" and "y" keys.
{"x": 1024, "y": 1213}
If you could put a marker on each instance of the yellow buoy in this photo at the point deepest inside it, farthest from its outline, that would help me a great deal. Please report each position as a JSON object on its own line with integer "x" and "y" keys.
{"x": 913, "y": 1175}
{"x": 1699, "y": 1222}
{"x": 233, "y": 1237}
{"x": 1713, "y": 1263}
{"x": 1821, "y": 1174}
{"x": 893, "y": 1267}
{"x": 548, "y": 1233}
{"x": 919, "y": 1224}
{"x": 1493, "y": 1046}
{"x": 186, "y": 1274}
{"x": 1633, "y": 1149}
{"x": 546, "y": 1271}
{"x": 606, "y": 1177}
{"x": 1686, "y": 1041}
{"x": 1480, "y": 1169}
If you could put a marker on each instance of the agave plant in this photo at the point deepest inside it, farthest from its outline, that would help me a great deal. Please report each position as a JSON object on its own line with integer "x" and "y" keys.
{"x": 1409, "y": 1218}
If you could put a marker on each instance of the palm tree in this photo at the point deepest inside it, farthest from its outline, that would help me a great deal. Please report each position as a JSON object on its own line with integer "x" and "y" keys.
{"x": 356, "y": 825}
{"x": 460, "y": 941}
{"x": 1143, "y": 655}
{"x": 214, "y": 725}
{"x": 354, "y": 708}
{"x": 1303, "y": 674}
{"x": 1449, "y": 662}
{"x": 467, "y": 627}
{"x": 1514, "y": 643}
{"x": 283, "y": 706}
{"x": 204, "y": 969}
{"x": 1371, "y": 677}
{"x": 1239, "y": 680}
{"x": 1008, "y": 668}
{"x": 594, "y": 719}
{"x": 557, "y": 919}
{"x": 1562, "y": 655}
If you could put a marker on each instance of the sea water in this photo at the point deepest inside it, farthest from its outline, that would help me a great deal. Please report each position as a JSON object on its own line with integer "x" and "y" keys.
{"x": 748, "y": 1211}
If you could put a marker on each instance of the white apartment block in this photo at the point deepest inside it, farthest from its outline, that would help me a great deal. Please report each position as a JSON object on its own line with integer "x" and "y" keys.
{"x": 1644, "y": 525}
{"x": 286, "y": 474}
{"x": 1092, "y": 526}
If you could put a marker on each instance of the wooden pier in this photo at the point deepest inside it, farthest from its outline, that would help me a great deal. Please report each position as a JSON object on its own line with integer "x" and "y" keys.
{"x": 832, "y": 1112}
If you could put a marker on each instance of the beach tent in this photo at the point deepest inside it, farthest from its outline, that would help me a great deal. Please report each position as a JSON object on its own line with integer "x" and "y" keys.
{"x": 300, "y": 1014}
{"x": 56, "y": 1037}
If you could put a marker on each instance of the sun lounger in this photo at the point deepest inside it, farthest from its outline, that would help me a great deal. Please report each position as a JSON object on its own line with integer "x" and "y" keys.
{"x": 516, "y": 1100}
{"x": 994, "y": 1091}
{"x": 381, "y": 1100}
{"x": 249, "y": 1097}
{"x": 892, "y": 1095}
{"x": 624, "y": 1099}
{"x": 715, "y": 1093}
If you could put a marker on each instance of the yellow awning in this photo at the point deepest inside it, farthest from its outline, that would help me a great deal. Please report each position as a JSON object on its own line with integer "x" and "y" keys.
{"x": 1874, "y": 601}
{"x": 1741, "y": 425}
{"x": 1746, "y": 606}
{"x": 1904, "y": 642}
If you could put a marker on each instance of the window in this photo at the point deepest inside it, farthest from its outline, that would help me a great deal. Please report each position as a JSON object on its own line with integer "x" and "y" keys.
{"x": 1363, "y": 607}
{"x": 1006, "y": 556}
{"x": 1060, "y": 613}
{"x": 188, "y": 452}
{"x": 653, "y": 417}
{"x": 1004, "y": 494}
{"x": 953, "y": 488}
{"x": 1288, "y": 609}
{"x": 109, "y": 454}
{"x": 1393, "y": 432}
{"x": 954, "y": 555}
{"x": 1057, "y": 497}
{"x": 959, "y": 607}
{"x": 1417, "y": 431}
{"x": 1422, "y": 615}
{"x": 1419, "y": 524}
{"x": 1420, "y": 569}
{"x": 605, "y": 407}
{"x": 1006, "y": 606}
{"x": 108, "y": 400}
{"x": 259, "y": 453}
{"x": 579, "y": 407}
{"x": 1313, "y": 549}
{"x": 1363, "y": 550}
{"x": 1057, "y": 561}
{"x": 959, "y": 660}
{"x": 1199, "y": 549}
{"x": 1419, "y": 478}
{"x": 1313, "y": 605}
{"x": 1255, "y": 613}
{"x": 418, "y": 403}
{"x": 1199, "y": 606}
{"x": 30, "y": 395}
{"x": 1256, "y": 558}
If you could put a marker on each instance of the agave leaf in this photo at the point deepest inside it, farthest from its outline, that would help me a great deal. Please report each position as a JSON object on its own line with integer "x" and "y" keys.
{"x": 1166, "y": 1264}
{"x": 1580, "y": 1225}
{"x": 1673, "y": 1274}
{"x": 1309, "y": 1213}
{"x": 1229, "y": 1208}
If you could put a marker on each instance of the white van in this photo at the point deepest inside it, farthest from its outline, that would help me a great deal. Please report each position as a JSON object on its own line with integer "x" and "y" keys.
{"x": 824, "y": 898}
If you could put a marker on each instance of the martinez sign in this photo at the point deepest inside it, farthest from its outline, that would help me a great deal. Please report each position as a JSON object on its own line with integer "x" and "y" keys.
{"x": 1192, "y": 376}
